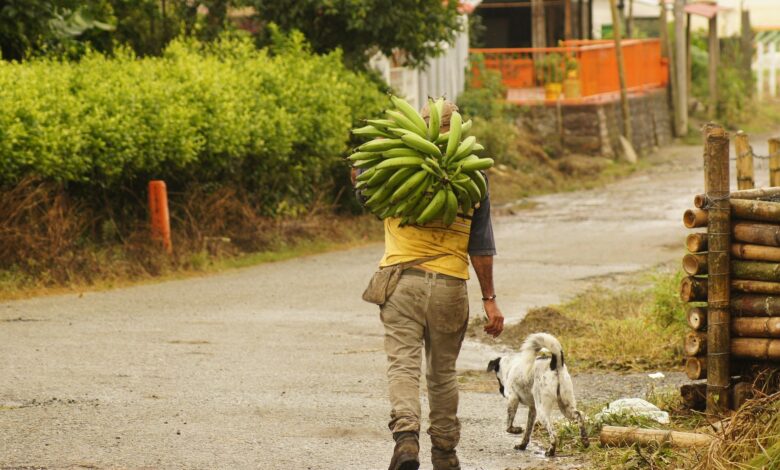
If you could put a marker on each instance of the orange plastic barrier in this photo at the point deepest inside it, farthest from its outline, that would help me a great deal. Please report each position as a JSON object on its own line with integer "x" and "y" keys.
{"x": 596, "y": 64}
{"x": 158, "y": 209}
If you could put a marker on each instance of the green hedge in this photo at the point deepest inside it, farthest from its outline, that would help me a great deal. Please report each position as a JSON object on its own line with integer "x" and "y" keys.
{"x": 272, "y": 122}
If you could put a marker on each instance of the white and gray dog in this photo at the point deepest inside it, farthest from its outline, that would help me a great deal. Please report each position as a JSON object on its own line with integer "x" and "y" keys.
{"x": 538, "y": 382}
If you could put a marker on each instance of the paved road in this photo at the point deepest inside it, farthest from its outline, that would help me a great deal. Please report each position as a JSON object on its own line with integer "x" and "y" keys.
{"x": 279, "y": 366}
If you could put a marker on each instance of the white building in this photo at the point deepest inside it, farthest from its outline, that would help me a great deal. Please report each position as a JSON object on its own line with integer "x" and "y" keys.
{"x": 764, "y": 14}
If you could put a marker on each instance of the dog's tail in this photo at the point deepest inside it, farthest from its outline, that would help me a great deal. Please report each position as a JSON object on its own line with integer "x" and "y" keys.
{"x": 538, "y": 341}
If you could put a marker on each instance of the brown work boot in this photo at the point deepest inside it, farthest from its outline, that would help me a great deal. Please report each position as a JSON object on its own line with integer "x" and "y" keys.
{"x": 407, "y": 450}
{"x": 444, "y": 459}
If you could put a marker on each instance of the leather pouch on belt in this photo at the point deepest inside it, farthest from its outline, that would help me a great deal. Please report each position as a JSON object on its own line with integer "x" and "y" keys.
{"x": 385, "y": 280}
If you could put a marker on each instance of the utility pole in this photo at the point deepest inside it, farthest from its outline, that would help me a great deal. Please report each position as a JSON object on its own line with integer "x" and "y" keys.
{"x": 630, "y": 23}
{"x": 621, "y": 71}
{"x": 680, "y": 69}
{"x": 567, "y": 19}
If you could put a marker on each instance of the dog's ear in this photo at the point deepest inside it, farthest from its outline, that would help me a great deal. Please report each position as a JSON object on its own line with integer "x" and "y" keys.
{"x": 494, "y": 365}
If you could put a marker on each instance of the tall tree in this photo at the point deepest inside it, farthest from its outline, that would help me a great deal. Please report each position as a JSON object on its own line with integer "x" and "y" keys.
{"x": 420, "y": 28}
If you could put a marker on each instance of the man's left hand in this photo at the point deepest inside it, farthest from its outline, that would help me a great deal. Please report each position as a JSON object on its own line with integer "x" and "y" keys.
{"x": 495, "y": 323}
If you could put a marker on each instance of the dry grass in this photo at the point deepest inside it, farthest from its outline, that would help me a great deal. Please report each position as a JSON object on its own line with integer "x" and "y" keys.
{"x": 50, "y": 242}
{"x": 630, "y": 328}
{"x": 751, "y": 437}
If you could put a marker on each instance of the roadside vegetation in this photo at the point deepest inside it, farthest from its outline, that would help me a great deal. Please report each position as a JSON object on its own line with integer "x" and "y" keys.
{"x": 637, "y": 326}
{"x": 526, "y": 164}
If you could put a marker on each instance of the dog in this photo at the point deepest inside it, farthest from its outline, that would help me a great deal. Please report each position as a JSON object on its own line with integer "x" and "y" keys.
{"x": 537, "y": 382}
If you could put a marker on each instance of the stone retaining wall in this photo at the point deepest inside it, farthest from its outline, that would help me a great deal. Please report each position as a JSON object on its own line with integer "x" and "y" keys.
{"x": 595, "y": 129}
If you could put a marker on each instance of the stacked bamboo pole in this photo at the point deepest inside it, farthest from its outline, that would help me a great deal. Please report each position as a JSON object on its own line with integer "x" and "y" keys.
{"x": 733, "y": 270}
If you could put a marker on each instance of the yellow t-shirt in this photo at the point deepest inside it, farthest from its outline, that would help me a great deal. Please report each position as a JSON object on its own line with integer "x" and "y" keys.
{"x": 413, "y": 242}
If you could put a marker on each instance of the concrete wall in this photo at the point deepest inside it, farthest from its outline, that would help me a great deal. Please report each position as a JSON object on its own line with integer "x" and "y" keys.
{"x": 595, "y": 129}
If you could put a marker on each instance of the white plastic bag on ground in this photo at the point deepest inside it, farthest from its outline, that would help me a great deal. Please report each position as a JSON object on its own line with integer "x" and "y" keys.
{"x": 634, "y": 407}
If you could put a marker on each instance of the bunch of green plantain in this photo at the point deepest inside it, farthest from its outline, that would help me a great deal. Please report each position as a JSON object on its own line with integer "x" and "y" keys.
{"x": 414, "y": 171}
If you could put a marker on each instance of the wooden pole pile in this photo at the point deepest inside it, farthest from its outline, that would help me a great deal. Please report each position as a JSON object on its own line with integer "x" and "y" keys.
{"x": 733, "y": 283}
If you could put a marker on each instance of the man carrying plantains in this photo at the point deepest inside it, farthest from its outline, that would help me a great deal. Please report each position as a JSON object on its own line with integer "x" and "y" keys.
{"x": 429, "y": 309}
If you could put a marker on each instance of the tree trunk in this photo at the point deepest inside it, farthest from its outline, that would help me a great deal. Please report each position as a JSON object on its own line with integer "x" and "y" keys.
{"x": 538, "y": 34}
{"x": 694, "y": 264}
{"x": 746, "y": 44}
{"x": 696, "y": 367}
{"x": 755, "y": 252}
{"x": 751, "y": 305}
{"x": 761, "y": 211}
{"x": 622, "y": 436}
{"x": 716, "y": 186}
{"x": 759, "y": 234}
{"x": 714, "y": 59}
{"x": 745, "y": 179}
{"x": 695, "y": 343}
{"x": 696, "y": 242}
{"x": 755, "y": 287}
{"x": 697, "y": 318}
{"x": 625, "y": 112}
{"x": 630, "y": 22}
{"x": 755, "y": 327}
{"x": 755, "y": 271}
{"x": 695, "y": 218}
{"x": 680, "y": 68}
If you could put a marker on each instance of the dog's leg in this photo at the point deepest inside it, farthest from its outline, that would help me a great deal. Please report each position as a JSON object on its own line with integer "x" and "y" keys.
{"x": 572, "y": 414}
{"x": 511, "y": 412}
{"x": 545, "y": 419}
{"x": 583, "y": 433}
{"x": 529, "y": 428}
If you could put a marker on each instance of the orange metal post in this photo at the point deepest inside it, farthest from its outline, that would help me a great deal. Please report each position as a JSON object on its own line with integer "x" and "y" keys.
{"x": 158, "y": 209}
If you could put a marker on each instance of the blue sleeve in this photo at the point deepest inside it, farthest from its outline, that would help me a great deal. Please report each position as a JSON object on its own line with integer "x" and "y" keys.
{"x": 481, "y": 241}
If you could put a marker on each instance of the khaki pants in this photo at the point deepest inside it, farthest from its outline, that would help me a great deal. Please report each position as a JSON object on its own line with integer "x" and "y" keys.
{"x": 433, "y": 311}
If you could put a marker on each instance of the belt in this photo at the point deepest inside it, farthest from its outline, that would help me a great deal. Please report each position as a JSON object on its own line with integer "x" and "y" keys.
{"x": 422, "y": 273}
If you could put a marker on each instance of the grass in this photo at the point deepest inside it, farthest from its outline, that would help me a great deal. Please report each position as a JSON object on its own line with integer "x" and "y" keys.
{"x": 636, "y": 327}
{"x": 765, "y": 118}
{"x": 335, "y": 234}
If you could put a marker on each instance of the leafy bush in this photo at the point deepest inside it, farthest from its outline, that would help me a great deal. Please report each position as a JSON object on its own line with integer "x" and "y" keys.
{"x": 272, "y": 122}
{"x": 485, "y": 93}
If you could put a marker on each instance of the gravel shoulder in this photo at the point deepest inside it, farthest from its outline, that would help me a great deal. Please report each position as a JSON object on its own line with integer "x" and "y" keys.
{"x": 281, "y": 366}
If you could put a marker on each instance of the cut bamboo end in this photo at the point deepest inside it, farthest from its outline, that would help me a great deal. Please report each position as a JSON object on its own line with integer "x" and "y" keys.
{"x": 693, "y": 289}
{"x": 756, "y": 327}
{"x": 700, "y": 201}
{"x": 696, "y": 242}
{"x": 694, "y": 264}
{"x": 694, "y": 396}
{"x": 695, "y": 218}
{"x": 624, "y": 436}
{"x": 696, "y": 368}
{"x": 697, "y": 318}
{"x": 695, "y": 343}
{"x": 755, "y": 233}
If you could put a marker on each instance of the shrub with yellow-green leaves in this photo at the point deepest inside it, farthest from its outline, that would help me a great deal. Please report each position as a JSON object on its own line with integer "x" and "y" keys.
{"x": 273, "y": 122}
